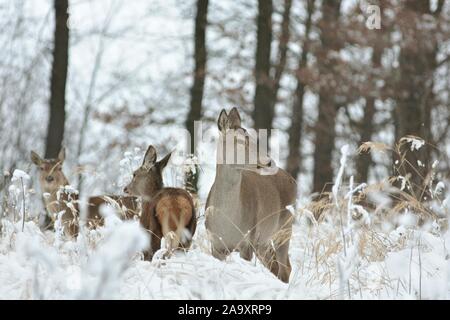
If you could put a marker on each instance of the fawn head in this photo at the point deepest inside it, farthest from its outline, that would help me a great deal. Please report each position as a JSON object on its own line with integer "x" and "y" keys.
{"x": 147, "y": 179}
{"x": 51, "y": 176}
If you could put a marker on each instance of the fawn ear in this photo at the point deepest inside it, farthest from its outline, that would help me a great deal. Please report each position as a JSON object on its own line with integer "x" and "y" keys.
{"x": 62, "y": 155}
{"x": 234, "y": 119}
{"x": 222, "y": 121}
{"x": 150, "y": 157}
{"x": 35, "y": 158}
{"x": 163, "y": 162}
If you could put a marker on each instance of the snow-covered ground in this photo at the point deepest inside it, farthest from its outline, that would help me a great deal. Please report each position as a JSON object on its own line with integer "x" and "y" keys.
{"x": 104, "y": 264}
{"x": 350, "y": 252}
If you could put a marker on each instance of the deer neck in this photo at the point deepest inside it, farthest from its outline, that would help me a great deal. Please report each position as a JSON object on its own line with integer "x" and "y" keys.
{"x": 52, "y": 200}
{"x": 228, "y": 175}
{"x": 150, "y": 194}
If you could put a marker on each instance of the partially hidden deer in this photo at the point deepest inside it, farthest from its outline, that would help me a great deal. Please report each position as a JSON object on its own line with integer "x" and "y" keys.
{"x": 246, "y": 208}
{"x": 53, "y": 182}
{"x": 166, "y": 212}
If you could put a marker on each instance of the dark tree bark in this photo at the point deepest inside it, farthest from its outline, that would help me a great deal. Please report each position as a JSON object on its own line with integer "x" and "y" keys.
{"x": 325, "y": 131}
{"x": 282, "y": 53}
{"x": 364, "y": 160}
{"x": 417, "y": 62}
{"x": 295, "y": 130}
{"x": 195, "y": 111}
{"x": 263, "y": 106}
{"x": 55, "y": 132}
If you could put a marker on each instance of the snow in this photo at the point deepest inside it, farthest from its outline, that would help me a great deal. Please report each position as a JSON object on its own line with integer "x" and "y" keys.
{"x": 106, "y": 264}
{"x": 416, "y": 143}
{"x": 20, "y": 175}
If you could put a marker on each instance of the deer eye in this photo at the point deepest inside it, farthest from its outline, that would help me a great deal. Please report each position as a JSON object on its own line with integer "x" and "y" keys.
{"x": 42, "y": 168}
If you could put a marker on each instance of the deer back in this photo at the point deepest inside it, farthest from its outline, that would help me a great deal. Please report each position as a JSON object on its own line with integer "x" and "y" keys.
{"x": 127, "y": 207}
{"x": 173, "y": 209}
{"x": 242, "y": 201}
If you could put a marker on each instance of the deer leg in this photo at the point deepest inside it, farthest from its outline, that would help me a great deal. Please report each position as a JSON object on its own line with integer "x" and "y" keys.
{"x": 284, "y": 265}
{"x": 155, "y": 245}
{"x": 267, "y": 256}
{"x": 218, "y": 249}
{"x": 246, "y": 252}
{"x": 282, "y": 240}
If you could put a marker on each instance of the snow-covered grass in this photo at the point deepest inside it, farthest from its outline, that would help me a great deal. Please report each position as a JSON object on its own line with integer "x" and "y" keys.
{"x": 349, "y": 251}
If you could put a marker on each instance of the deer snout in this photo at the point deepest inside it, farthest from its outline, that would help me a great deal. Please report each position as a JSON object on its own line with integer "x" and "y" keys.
{"x": 49, "y": 179}
{"x": 125, "y": 190}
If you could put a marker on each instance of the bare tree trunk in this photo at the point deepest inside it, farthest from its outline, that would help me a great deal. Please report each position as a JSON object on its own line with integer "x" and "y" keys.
{"x": 325, "y": 130}
{"x": 295, "y": 130}
{"x": 263, "y": 111}
{"x": 282, "y": 51}
{"x": 364, "y": 160}
{"x": 55, "y": 132}
{"x": 195, "y": 112}
{"x": 417, "y": 62}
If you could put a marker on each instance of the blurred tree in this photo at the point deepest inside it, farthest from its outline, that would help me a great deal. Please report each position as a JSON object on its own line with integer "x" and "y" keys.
{"x": 283, "y": 42}
{"x": 415, "y": 99}
{"x": 328, "y": 64}
{"x": 195, "y": 111}
{"x": 263, "y": 106}
{"x": 367, "y": 126}
{"x": 295, "y": 129}
{"x": 55, "y": 131}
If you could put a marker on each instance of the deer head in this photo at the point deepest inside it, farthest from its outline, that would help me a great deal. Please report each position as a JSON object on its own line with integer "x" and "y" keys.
{"x": 51, "y": 176}
{"x": 238, "y": 146}
{"x": 147, "y": 179}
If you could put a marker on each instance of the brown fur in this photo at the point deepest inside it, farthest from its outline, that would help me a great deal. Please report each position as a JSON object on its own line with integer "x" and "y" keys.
{"x": 129, "y": 208}
{"x": 171, "y": 210}
{"x": 166, "y": 212}
{"x": 246, "y": 209}
{"x": 52, "y": 178}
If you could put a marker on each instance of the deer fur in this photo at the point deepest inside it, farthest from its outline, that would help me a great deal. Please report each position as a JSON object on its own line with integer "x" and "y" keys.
{"x": 127, "y": 207}
{"x": 246, "y": 207}
{"x": 166, "y": 212}
{"x": 52, "y": 179}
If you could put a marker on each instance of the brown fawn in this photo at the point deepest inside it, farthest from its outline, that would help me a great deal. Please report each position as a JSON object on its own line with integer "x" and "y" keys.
{"x": 52, "y": 179}
{"x": 246, "y": 208}
{"x": 166, "y": 212}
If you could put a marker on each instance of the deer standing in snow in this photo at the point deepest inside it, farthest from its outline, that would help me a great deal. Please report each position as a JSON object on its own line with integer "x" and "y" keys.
{"x": 246, "y": 208}
{"x": 166, "y": 212}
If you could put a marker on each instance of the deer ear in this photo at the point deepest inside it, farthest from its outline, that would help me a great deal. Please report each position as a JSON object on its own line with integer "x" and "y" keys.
{"x": 150, "y": 157}
{"x": 234, "y": 119}
{"x": 163, "y": 162}
{"x": 222, "y": 121}
{"x": 62, "y": 155}
{"x": 35, "y": 158}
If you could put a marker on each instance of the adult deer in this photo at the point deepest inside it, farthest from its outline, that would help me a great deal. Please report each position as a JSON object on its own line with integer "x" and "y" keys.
{"x": 53, "y": 182}
{"x": 246, "y": 206}
{"x": 166, "y": 212}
